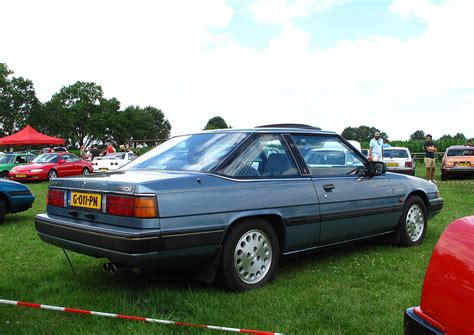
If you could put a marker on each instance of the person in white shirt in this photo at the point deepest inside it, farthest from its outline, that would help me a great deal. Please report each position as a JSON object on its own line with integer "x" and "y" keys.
{"x": 376, "y": 148}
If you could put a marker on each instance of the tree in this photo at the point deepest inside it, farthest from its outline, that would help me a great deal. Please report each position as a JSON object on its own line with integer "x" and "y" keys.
{"x": 147, "y": 123}
{"x": 78, "y": 112}
{"x": 361, "y": 133}
{"x": 17, "y": 101}
{"x": 216, "y": 122}
{"x": 417, "y": 135}
{"x": 459, "y": 136}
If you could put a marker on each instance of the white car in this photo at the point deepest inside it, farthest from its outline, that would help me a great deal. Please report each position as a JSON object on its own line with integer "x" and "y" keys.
{"x": 113, "y": 161}
{"x": 399, "y": 159}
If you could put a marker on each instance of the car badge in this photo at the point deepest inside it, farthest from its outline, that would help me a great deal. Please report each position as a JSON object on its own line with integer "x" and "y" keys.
{"x": 125, "y": 188}
{"x": 84, "y": 184}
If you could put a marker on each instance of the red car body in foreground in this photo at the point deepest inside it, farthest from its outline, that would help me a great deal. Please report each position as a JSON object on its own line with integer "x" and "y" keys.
{"x": 51, "y": 165}
{"x": 447, "y": 299}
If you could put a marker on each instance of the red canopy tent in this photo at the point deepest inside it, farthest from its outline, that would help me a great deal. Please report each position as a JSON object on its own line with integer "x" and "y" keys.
{"x": 29, "y": 135}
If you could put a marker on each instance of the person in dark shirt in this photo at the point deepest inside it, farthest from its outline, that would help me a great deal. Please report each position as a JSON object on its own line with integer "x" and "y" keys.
{"x": 430, "y": 162}
{"x": 94, "y": 152}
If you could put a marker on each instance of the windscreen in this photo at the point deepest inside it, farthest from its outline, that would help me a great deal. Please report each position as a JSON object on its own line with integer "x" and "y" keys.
{"x": 199, "y": 152}
{"x": 46, "y": 158}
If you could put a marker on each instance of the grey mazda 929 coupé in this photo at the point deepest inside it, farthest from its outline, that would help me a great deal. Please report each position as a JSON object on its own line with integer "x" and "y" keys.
{"x": 231, "y": 202}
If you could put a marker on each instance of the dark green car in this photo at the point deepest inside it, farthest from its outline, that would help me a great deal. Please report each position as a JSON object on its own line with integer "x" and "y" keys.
{"x": 10, "y": 160}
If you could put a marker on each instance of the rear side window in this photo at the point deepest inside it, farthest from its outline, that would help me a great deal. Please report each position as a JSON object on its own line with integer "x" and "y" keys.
{"x": 266, "y": 157}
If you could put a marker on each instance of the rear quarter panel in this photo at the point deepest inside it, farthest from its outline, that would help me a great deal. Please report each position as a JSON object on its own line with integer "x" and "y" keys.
{"x": 213, "y": 203}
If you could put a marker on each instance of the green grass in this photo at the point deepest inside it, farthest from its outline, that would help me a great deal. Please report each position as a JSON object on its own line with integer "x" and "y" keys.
{"x": 359, "y": 289}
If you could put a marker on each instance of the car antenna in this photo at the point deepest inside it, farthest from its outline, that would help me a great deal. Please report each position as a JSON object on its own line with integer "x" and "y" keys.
{"x": 70, "y": 264}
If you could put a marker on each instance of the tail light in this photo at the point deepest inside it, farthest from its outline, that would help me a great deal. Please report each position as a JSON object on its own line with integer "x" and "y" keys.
{"x": 134, "y": 206}
{"x": 408, "y": 164}
{"x": 56, "y": 198}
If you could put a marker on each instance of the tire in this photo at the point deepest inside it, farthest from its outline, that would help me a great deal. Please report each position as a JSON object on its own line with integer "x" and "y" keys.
{"x": 2, "y": 211}
{"x": 413, "y": 222}
{"x": 85, "y": 171}
{"x": 4, "y": 175}
{"x": 444, "y": 177}
{"x": 250, "y": 255}
{"x": 52, "y": 174}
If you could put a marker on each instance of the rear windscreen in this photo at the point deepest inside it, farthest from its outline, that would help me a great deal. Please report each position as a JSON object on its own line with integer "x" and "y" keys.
{"x": 395, "y": 153}
{"x": 461, "y": 152}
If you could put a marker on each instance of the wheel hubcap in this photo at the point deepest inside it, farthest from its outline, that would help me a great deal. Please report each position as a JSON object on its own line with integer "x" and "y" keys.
{"x": 52, "y": 175}
{"x": 253, "y": 256}
{"x": 415, "y": 223}
{"x": 85, "y": 172}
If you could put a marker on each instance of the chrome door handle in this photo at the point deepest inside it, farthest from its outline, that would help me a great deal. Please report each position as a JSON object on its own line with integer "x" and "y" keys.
{"x": 329, "y": 187}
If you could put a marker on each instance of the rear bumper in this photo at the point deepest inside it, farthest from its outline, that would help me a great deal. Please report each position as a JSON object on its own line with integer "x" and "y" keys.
{"x": 457, "y": 170}
{"x": 21, "y": 203}
{"x": 415, "y": 325}
{"x": 128, "y": 246}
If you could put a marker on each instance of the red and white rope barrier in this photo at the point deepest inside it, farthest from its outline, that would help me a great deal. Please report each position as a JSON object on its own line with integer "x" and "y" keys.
{"x": 135, "y": 318}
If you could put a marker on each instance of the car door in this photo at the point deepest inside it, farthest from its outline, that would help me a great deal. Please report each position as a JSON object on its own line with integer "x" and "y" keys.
{"x": 76, "y": 165}
{"x": 352, "y": 204}
{"x": 65, "y": 166}
{"x": 270, "y": 177}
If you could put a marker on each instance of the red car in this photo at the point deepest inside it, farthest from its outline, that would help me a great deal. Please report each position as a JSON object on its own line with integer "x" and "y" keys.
{"x": 447, "y": 298}
{"x": 50, "y": 166}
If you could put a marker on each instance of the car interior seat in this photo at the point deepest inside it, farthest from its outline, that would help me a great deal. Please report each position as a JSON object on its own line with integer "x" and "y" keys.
{"x": 278, "y": 164}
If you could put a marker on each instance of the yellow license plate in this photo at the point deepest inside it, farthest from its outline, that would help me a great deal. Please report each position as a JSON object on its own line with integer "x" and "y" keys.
{"x": 85, "y": 200}
{"x": 20, "y": 176}
{"x": 103, "y": 170}
{"x": 463, "y": 164}
{"x": 392, "y": 164}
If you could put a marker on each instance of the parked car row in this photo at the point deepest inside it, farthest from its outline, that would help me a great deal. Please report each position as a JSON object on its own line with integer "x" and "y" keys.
{"x": 47, "y": 166}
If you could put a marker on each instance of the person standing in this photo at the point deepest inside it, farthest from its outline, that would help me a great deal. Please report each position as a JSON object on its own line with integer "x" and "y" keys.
{"x": 95, "y": 152}
{"x": 376, "y": 148}
{"x": 430, "y": 162}
{"x": 109, "y": 149}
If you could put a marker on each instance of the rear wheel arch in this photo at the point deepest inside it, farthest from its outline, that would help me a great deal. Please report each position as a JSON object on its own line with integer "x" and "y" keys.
{"x": 250, "y": 253}
{"x": 274, "y": 220}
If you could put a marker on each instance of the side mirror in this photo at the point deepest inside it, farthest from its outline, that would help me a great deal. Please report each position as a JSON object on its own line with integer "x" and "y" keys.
{"x": 62, "y": 161}
{"x": 377, "y": 168}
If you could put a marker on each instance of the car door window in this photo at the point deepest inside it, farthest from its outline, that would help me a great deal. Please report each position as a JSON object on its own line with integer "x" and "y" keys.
{"x": 266, "y": 157}
{"x": 66, "y": 158}
{"x": 20, "y": 159}
{"x": 327, "y": 155}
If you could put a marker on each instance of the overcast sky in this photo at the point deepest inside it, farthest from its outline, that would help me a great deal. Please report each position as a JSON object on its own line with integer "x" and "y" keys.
{"x": 397, "y": 65}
